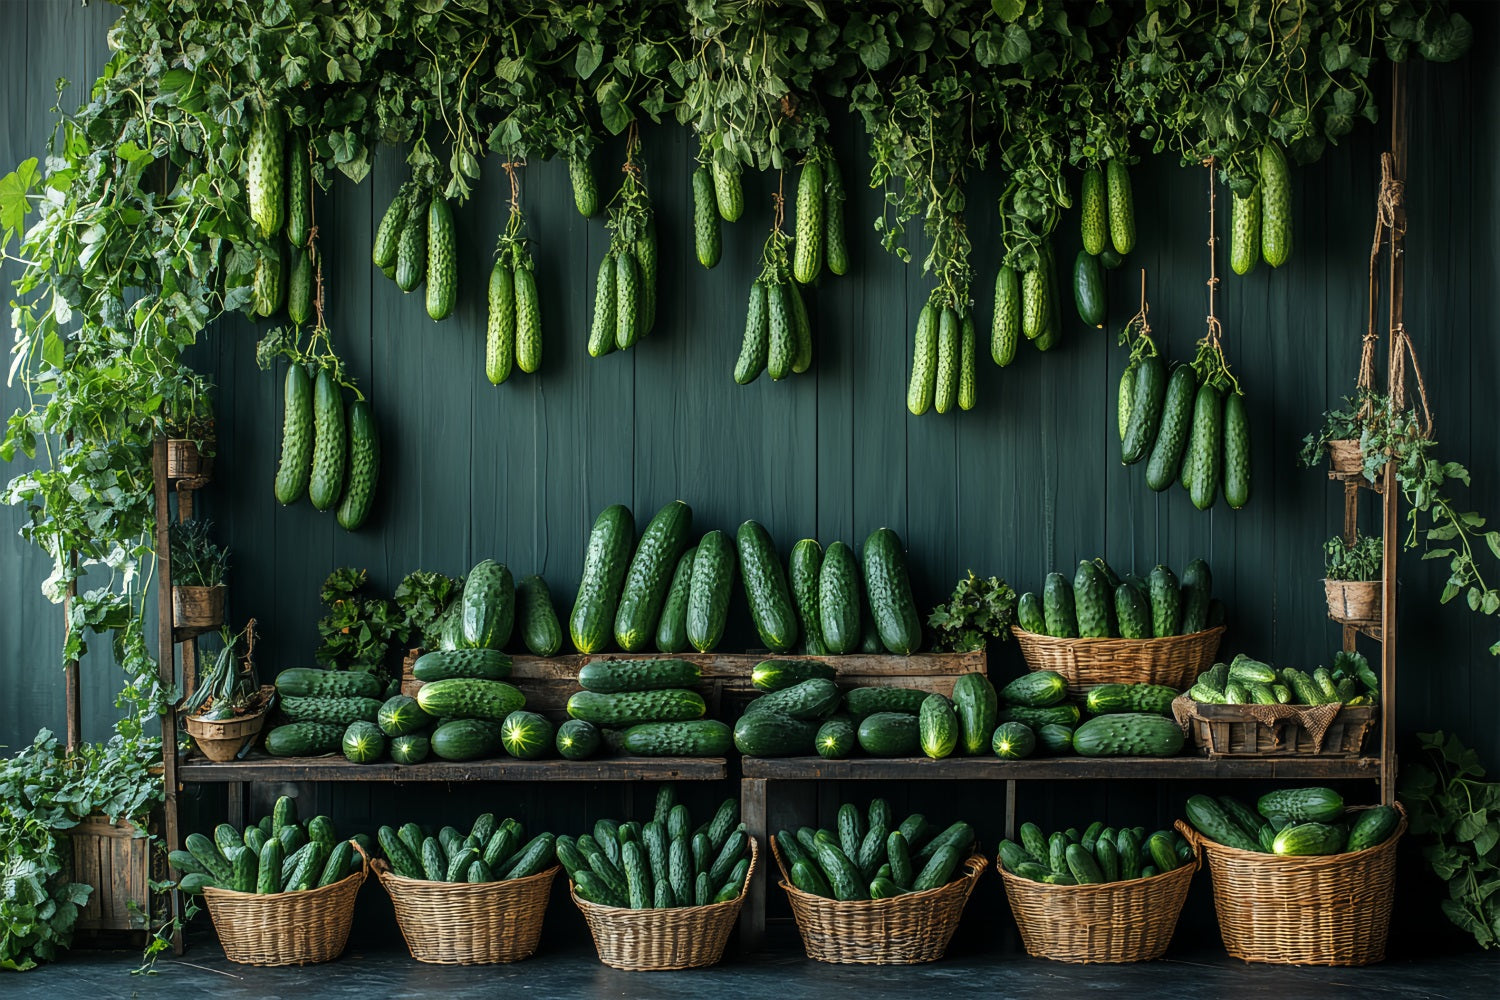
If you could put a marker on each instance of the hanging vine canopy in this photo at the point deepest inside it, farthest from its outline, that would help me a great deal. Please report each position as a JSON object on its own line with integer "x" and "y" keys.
{"x": 135, "y": 234}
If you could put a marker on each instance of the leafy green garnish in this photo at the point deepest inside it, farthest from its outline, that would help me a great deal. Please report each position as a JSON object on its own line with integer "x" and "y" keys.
{"x": 980, "y": 609}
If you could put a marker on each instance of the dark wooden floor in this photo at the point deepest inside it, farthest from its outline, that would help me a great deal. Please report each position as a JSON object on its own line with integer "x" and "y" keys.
{"x": 973, "y": 968}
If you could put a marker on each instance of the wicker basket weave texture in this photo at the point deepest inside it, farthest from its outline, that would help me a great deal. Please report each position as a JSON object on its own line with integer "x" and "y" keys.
{"x": 1128, "y": 921}
{"x": 1174, "y": 660}
{"x": 285, "y": 928}
{"x": 683, "y": 937}
{"x": 903, "y": 930}
{"x": 457, "y": 923}
{"x": 1325, "y": 910}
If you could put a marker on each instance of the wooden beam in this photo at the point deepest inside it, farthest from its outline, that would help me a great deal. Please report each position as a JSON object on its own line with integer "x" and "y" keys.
{"x": 1056, "y": 768}
{"x": 755, "y": 815}
{"x": 261, "y": 768}
{"x": 166, "y": 665}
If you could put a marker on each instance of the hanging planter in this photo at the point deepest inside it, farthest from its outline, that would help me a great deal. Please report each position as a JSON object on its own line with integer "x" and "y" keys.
{"x": 1353, "y": 582}
{"x": 188, "y": 459}
{"x": 1344, "y": 456}
{"x": 198, "y": 607}
{"x": 1354, "y": 602}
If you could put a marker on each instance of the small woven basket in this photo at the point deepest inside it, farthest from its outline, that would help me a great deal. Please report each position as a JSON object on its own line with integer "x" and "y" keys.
{"x": 1344, "y": 456}
{"x": 902, "y": 930}
{"x": 457, "y": 923}
{"x": 1327, "y": 910}
{"x": 1356, "y": 602}
{"x": 1174, "y": 660}
{"x": 198, "y": 607}
{"x": 222, "y": 740}
{"x": 683, "y": 937}
{"x": 286, "y": 928}
{"x": 1128, "y": 921}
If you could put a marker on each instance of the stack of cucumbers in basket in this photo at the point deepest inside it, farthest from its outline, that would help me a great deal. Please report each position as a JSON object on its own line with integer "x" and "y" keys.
{"x": 278, "y": 854}
{"x": 1292, "y": 821}
{"x": 1124, "y": 720}
{"x": 1097, "y": 855}
{"x": 492, "y": 851}
{"x": 1246, "y": 681}
{"x": 871, "y": 857}
{"x": 661, "y": 864}
{"x": 1099, "y": 603}
{"x": 643, "y": 707}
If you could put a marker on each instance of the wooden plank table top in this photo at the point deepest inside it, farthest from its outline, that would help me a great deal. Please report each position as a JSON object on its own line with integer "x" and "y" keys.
{"x": 259, "y": 767}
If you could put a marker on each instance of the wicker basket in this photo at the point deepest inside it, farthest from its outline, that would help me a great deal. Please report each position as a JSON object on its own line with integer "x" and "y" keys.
{"x": 1344, "y": 456}
{"x": 223, "y": 740}
{"x": 285, "y": 928}
{"x": 1356, "y": 602}
{"x": 902, "y": 930}
{"x": 185, "y": 460}
{"x": 1328, "y": 910}
{"x": 683, "y": 937}
{"x": 1128, "y": 921}
{"x": 455, "y": 923}
{"x": 1175, "y": 660}
{"x": 1232, "y": 731}
{"x": 198, "y": 607}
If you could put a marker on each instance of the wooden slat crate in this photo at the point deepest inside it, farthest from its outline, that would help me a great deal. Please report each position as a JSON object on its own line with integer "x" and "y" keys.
{"x": 113, "y": 859}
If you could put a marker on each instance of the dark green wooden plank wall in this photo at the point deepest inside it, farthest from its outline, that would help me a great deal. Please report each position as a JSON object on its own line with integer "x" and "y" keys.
{"x": 1027, "y": 482}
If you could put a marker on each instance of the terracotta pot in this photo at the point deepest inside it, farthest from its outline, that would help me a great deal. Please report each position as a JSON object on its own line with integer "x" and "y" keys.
{"x": 1345, "y": 457}
{"x": 186, "y": 461}
{"x": 198, "y": 607}
{"x": 1353, "y": 601}
{"x": 222, "y": 740}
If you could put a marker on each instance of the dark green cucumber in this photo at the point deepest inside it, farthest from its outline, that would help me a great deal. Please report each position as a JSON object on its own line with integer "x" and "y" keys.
{"x": 1036, "y": 689}
{"x": 814, "y": 698}
{"x": 835, "y": 739}
{"x": 487, "y": 607}
{"x": 766, "y": 589}
{"x": 1013, "y": 741}
{"x": 1088, "y": 289}
{"x": 540, "y": 629}
{"x": 839, "y": 599}
{"x": 1029, "y": 614}
{"x": 1236, "y": 451}
{"x": 295, "y": 468}
{"x": 632, "y": 708}
{"x": 650, "y": 575}
{"x": 1128, "y": 734}
{"x": 1203, "y": 456}
{"x": 1301, "y": 805}
{"x": 889, "y": 734}
{"x": 709, "y": 591}
{"x": 1166, "y": 602}
{"x": 1132, "y": 612}
{"x": 803, "y": 569}
{"x": 1210, "y": 819}
{"x": 937, "y": 727}
{"x": 772, "y": 734}
{"x": 889, "y": 589}
{"x": 863, "y": 701}
{"x": 474, "y": 664}
{"x": 777, "y": 675}
{"x": 1372, "y": 827}
{"x": 1145, "y": 409}
{"x": 1054, "y": 738}
{"x": 330, "y": 442}
{"x": 1091, "y": 602}
{"x": 671, "y": 629}
{"x": 1171, "y": 436}
{"x": 1197, "y": 591}
{"x": 977, "y": 707}
{"x": 694, "y": 738}
{"x": 605, "y": 563}
{"x": 616, "y": 676}
{"x": 577, "y": 739}
{"x": 1058, "y": 607}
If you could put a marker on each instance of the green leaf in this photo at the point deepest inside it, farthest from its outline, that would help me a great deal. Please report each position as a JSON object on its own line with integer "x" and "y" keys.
{"x": 587, "y": 59}
{"x": 1008, "y": 10}
{"x": 612, "y": 110}
{"x": 14, "y": 187}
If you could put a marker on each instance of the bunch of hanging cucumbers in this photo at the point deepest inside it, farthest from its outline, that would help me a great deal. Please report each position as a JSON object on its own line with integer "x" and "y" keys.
{"x": 943, "y": 355}
{"x": 1187, "y": 422}
{"x": 278, "y": 187}
{"x": 1260, "y": 225}
{"x": 1026, "y": 302}
{"x": 717, "y": 194}
{"x": 415, "y": 242}
{"x": 625, "y": 293}
{"x": 513, "y": 331}
{"x": 1106, "y": 221}
{"x": 778, "y": 333}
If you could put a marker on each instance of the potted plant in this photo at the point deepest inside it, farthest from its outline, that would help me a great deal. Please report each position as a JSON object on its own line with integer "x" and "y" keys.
{"x": 1353, "y": 582}
{"x": 198, "y": 569}
{"x": 227, "y": 710}
{"x": 1339, "y": 437}
{"x": 188, "y": 422}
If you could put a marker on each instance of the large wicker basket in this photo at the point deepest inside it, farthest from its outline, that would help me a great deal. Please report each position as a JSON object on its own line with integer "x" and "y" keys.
{"x": 285, "y": 928}
{"x": 1128, "y": 921}
{"x": 1327, "y": 910}
{"x": 902, "y": 930}
{"x": 456, "y": 923}
{"x": 1175, "y": 660}
{"x": 682, "y": 937}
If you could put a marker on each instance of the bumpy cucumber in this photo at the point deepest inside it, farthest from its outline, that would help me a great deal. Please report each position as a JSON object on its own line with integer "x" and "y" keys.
{"x": 708, "y": 241}
{"x": 924, "y": 362}
{"x": 364, "y": 466}
{"x": 602, "y": 328}
{"x": 295, "y": 469}
{"x": 1006, "y": 332}
{"x": 946, "y": 391}
{"x": 329, "y": 442}
{"x": 807, "y": 250}
{"x": 500, "y": 325}
{"x": 756, "y": 343}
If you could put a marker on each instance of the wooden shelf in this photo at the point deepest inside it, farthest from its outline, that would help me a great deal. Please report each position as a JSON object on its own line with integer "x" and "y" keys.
{"x": 1056, "y": 768}
{"x": 1358, "y": 479}
{"x": 258, "y": 767}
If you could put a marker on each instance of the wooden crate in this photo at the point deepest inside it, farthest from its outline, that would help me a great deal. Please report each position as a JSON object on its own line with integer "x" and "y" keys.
{"x": 1231, "y": 731}
{"x": 115, "y": 859}
{"x": 549, "y": 681}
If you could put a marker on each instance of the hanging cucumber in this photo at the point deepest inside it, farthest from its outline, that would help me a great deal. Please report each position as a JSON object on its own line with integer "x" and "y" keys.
{"x": 295, "y": 468}
{"x": 364, "y": 466}
{"x": 442, "y": 259}
{"x": 835, "y": 245}
{"x": 299, "y": 288}
{"x": 602, "y": 330}
{"x": 1093, "y": 215}
{"x": 1035, "y": 301}
{"x": 755, "y": 345}
{"x": 1244, "y": 231}
{"x": 807, "y": 248}
{"x": 946, "y": 390}
{"x": 781, "y": 331}
{"x": 1204, "y": 455}
{"x": 329, "y": 442}
{"x": 627, "y": 300}
{"x": 968, "y": 364}
{"x": 1275, "y": 206}
{"x": 802, "y": 329}
{"x": 298, "y": 193}
{"x": 1236, "y": 451}
{"x": 729, "y": 194}
{"x": 1145, "y": 409}
{"x": 500, "y": 324}
{"x": 924, "y": 362}
{"x": 1006, "y": 332}
{"x": 646, "y": 261}
{"x": 585, "y": 186}
{"x": 265, "y": 282}
{"x": 1088, "y": 289}
{"x": 1126, "y": 396}
{"x": 383, "y": 250}
{"x": 528, "y": 319}
{"x": 1052, "y": 328}
{"x": 411, "y": 246}
{"x": 1121, "y": 207}
{"x": 708, "y": 241}
{"x": 265, "y": 179}
{"x": 1172, "y": 433}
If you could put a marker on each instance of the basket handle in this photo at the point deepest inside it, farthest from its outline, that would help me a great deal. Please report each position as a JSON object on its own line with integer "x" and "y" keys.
{"x": 365, "y": 863}
{"x": 1194, "y": 838}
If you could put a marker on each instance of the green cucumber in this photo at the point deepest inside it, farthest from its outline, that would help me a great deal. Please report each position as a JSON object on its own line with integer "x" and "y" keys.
{"x": 1058, "y": 607}
{"x": 604, "y": 567}
{"x": 650, "y": 575}
{"x": 709, "y": 591}
{"x": 617, "y": 676}
{"x": 937, "y": 727}
{"x": 977, "y": 707}
{"x": 803, "y": 569}
{"x": 671, "y": 629}
{"x": 1090, "y": 602}
{"x": 1145, "y": 409}
{"x": 540, "y": 629}
{"x": 889, "y": 590}
{"x": 1171, "y": 437}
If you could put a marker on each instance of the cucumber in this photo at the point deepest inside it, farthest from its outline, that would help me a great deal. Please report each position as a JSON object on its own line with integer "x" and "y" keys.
{"x": 939, "y": 869}
{"x": 835, "y": 246}
{"x": 803, "y": 568}
{"x": 618, "y": 676}
{"x": 585, "y": 186}
{"x": 1203, "y": 455}
{"x": 646, "y": 259}
{"x": 442, "y": 259}
{"x": 487, "y": 606}
{"x": 1197, "y": 591}
{"x": 772, "y": 734}
{"x": 709, "y": 591}
{"x": 1093, "y": 218}
{"x": 1129, "y": 734}
{"x": 383, "y": 249}
{"x": 1121, "y": 207}
{"x": 766, "y": 588}
{"x": 1066, "y": 714}
{"x": 937, "y": 727}
{"x": 814, "y": 698}
{"x": 577, "y": 739}
{"x": 330, "y": 442}
{"x": 1081, "y": 864}
{"x": 602, "y": 326}
{"x": 627, "y": 299}
{"x": 802, "y": 329}
{"x": 1058, "y": 607}
{"x": 729, "y": 194}
{"x": 604, "y": 567}
{"x": 1128, "y": 850}
{"x": 708, "y": 240}
{"x": 1275, "y": 206}
{"x": 1372, "y": 827}
{"x": 839, "y": 599}
{"x": 945, "y": 391}
{"x": 460, "y": 698}
{"x": 835, "y": 739}
{"x": 632, "y": 708}
{"x": 650, "y": 575}
{"x": 1244, "y": 231}
{"x": 1013, "y": 741}
{"x": 1236, "y": 451}
{"x": 295, "y": 468}
{"x": 500, "y": 323}
{"x": 968, "y": 364}
{"x": 863, "y": 701}
{"x": 1302, "y": 839}
{"x": 1166, "y": 602}
{"x": 1108, "y": 856}
{"x": 1132, "y": 612}
{"x": 778, "y": 675}
{"x": 304, "y": 739}
{"x": 474, "y": 664}
{"x": 924, "y": 362}
{"x": 1005, "y": 333}
{"x": 889, "y": 590}
{"x": 465, "y": 739}
{"x": 694, "y": 738}
{"x": 1301, "y": 805}
{"x": 265, "y": 181}
{"x": 528, "y": 319}
{"x": 527, "y": 735}
{"x": 781, "y": 332}
{"x": 411, "y": 245}
{"x": 807, "y": 249}
{"x": 540, "y": 629}
{"x": 889, "y": 734}
{"x": 1171, "y": 437}
{"x": 1088, "y": 289}
{"x": 1210, "y": 819}
{"x": 1054, "y": 738}
{"x": 1029, "y": 614}
{"x": 844, "y": 878}
{"x": 299, "y": 289}
{"x": 1091, "y": 602}
{"x": 671, "y": 629}
{"x": 1035, "y": 304}
{"x": 1125, "y": 399}
{"x": 364, "y": 466}
{"x": 1146, "y": 406}
{"x": 977, "y": 707}
{"x": 1107, "y": 699}
{"x": 755, "y": 345}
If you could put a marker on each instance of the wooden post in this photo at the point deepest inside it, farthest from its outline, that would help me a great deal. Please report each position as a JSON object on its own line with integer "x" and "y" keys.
{"x": 755, "y": 815}
{"x": 1390, "y": 497}
{"x": 72, "y": 692}
{"x": 166, "y": 665}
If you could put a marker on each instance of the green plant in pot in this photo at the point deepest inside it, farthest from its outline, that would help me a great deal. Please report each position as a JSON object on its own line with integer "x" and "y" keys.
{"x": 1339, "y": 436}
{"x": 199, "y": 567}
{"x": 1352, "y": 578}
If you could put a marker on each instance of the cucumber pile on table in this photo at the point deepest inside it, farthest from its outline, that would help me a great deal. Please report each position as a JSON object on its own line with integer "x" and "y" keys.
{"x": 1098, "y": 603}
{"x": 1124, "y": 720}
{"x": 1292, "y": 821}
{"x": 1247, "y": 681}
{"x": 663, "y": 863}
{"x": 643, "y": 707}
{"x": 492, "y": 851}
{"x": 1097, "y": 855}
{"x": 278, "y": 854}
{"x": 870, "y": 856}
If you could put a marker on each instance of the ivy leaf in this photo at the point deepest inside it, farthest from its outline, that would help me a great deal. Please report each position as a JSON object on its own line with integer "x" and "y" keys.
{"x": 14, "y": 205}
{"x": 612, "y": 110}
{"x": 1008, "y": 10}
{"x": 587, "y": 59}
